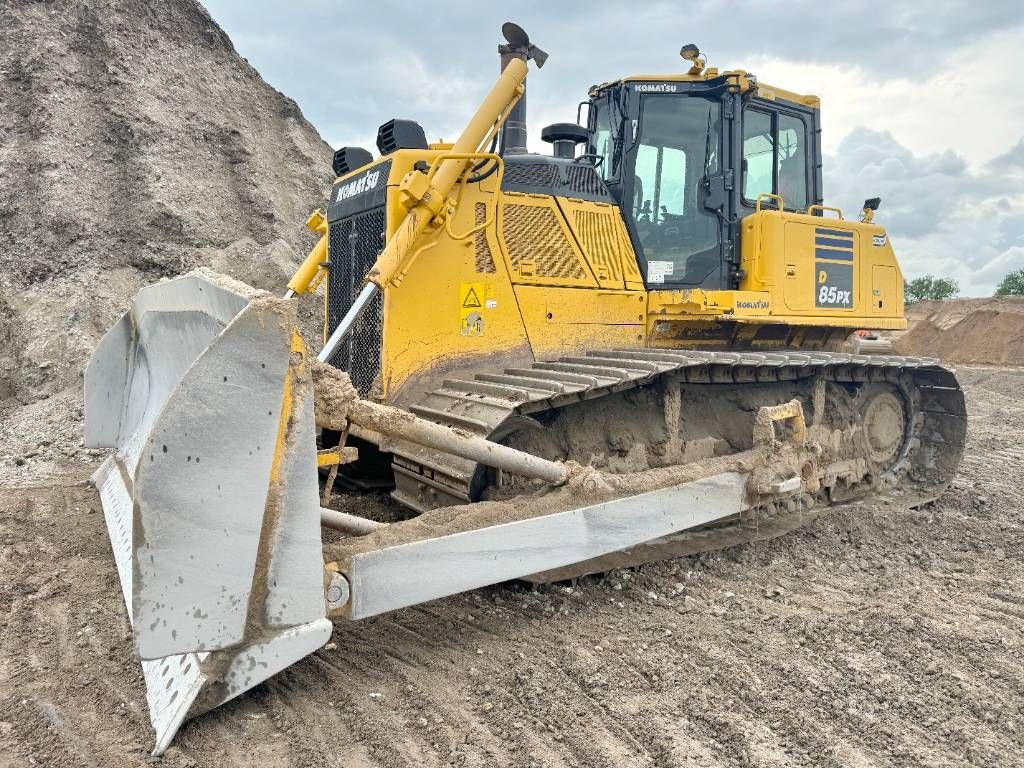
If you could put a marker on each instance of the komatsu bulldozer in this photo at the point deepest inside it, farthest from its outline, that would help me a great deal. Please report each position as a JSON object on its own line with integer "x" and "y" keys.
{"x": 621, "y": 351}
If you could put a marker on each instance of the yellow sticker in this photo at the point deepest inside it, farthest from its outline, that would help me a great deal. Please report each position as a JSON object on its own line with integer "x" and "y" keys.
{"x": 474, "y": 300}
{"x": 471, "y": 300}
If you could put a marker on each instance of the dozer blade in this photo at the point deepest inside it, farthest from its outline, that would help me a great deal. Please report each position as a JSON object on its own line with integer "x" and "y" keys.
{"x": 210, "y": 496}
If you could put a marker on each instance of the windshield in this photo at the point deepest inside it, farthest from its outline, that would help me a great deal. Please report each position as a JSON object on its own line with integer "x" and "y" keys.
{"x": 677, "y": 146}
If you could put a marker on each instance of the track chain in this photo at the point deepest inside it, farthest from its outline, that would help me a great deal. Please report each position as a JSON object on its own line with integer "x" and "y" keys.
{"x": 494, "y": 404}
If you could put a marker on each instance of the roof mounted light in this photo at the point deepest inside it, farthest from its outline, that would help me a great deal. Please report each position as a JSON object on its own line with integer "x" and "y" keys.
{"x": 691, "y": 53}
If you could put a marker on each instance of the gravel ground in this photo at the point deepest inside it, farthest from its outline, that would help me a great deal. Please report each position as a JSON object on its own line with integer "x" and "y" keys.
{"x": 864, "y": 639}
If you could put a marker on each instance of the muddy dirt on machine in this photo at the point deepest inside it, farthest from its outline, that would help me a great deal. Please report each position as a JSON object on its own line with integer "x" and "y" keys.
{"x": 884, "y": 425}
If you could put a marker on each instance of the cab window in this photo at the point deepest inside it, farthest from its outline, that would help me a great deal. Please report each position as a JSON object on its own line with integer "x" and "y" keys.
{"x": 661, "y": 189}
{"x": 603, "y": 144}
{"x": 677, "y": 146}
{"x": 758, "y": 154}
{"x": 792, "y": 162}
{"x": 775, "y": 155}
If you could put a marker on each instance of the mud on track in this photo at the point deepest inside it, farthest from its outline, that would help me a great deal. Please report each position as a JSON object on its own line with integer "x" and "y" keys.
{"x": 860, "y": 640}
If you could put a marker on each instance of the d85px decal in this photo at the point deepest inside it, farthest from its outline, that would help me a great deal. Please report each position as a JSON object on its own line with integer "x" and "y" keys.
{"x": 834, "y": 287}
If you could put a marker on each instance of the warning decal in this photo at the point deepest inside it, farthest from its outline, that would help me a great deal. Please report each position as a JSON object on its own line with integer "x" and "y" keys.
{"x": 474, "y": 300}
{"x": 471, "y": 300}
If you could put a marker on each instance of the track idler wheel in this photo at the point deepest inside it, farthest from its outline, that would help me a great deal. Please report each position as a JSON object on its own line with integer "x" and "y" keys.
{"x": 886, "y": 427}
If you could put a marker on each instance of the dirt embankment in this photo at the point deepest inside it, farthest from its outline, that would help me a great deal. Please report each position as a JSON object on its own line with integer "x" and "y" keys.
{"x": 966, "y": 330}
{"x": 135, "y": 144}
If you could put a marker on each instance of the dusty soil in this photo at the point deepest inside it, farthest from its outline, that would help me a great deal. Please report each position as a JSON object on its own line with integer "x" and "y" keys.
{"x": 861, "y": 640}
{"x": 989, "y": 331}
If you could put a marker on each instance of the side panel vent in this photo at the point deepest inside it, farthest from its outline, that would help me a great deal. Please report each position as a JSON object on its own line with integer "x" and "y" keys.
{"x": 557, "y": 176}
{"x": 599, "y": 237}
{"x": 602, "y": 235}
{"x": 584, "y": 180}
{"x": 539, "y": 248}
{"x": 532, "y": 174}
{"x": 484, "y": 259}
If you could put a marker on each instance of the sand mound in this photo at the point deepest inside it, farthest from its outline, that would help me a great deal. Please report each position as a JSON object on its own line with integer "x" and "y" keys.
{"x": 966, "y": 330}
{"x": 135, "y": 144}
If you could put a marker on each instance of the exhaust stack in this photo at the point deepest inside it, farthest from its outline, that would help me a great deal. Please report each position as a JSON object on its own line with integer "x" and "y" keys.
{"x": 518, "y": 46}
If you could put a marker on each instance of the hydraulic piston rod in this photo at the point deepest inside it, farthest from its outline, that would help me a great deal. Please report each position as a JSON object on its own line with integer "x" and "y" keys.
{"x": 338, "y": 403}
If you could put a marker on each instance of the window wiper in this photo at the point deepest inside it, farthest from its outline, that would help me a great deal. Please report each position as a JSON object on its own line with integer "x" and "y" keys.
{"x": 714, "y": 194}
{"x": 707, "y": 151}
{"x": 616, "y": 120}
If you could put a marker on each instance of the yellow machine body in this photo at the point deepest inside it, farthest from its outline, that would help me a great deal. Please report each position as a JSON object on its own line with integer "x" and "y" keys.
{"x": 510, "y": 277}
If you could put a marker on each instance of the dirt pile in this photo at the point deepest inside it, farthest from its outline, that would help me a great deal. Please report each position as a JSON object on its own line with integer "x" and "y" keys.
{"x": 135, "y": 144}
{"x": 966, "y": 330}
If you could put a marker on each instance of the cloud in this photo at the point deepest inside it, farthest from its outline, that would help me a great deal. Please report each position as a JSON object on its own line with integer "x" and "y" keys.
{"x": 884, "y": 39}
{"x": 948, "y": 106}
{"x": 351, "y": 67}
{"x": 944, "y": 218}
{"x": 1010, "y": 162}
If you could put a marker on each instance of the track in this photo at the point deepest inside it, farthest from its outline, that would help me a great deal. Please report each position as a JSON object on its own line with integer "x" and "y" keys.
{"x": 628, "y": 410}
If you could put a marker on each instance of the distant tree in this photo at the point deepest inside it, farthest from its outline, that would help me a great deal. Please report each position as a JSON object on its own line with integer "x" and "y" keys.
{"x": 1012, "y": 285}
{"x": 930, "y": 288}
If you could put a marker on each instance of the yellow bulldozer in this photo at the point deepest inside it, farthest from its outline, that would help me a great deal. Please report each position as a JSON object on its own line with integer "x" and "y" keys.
{"x": 621, "y": 351}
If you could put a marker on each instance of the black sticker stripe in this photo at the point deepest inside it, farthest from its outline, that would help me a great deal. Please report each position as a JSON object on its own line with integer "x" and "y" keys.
{"x": 834, "y": 232}
{"x": 833, "y": 242}
{"x": 837, "y": 255}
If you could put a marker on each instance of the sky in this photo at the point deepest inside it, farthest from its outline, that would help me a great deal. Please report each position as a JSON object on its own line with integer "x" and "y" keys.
{"x": 922, "y": 102}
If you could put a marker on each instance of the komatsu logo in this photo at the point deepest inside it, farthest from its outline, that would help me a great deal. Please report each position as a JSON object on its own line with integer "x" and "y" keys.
{"x": 357, "y": 187}
{"x": 656, "y": 88}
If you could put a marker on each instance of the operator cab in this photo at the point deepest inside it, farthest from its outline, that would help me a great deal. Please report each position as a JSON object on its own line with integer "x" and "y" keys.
{"x": 686, "y": 157}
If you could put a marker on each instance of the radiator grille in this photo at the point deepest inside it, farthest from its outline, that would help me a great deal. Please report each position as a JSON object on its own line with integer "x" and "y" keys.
{"x": 583, "y": 180}
{"x": 532, "y": 232}
{"x": 599, "y": 235}
{"x": 484, "y": 259}
{"x": 353, "y": 244}
{"x": 534, "y": 174}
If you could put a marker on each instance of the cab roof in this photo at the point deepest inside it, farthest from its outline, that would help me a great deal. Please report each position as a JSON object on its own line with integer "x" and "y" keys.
{"x": 744, "y": 80}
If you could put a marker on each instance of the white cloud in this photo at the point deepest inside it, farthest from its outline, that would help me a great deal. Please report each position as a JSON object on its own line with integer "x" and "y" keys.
{"x": 944, "y": 217}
